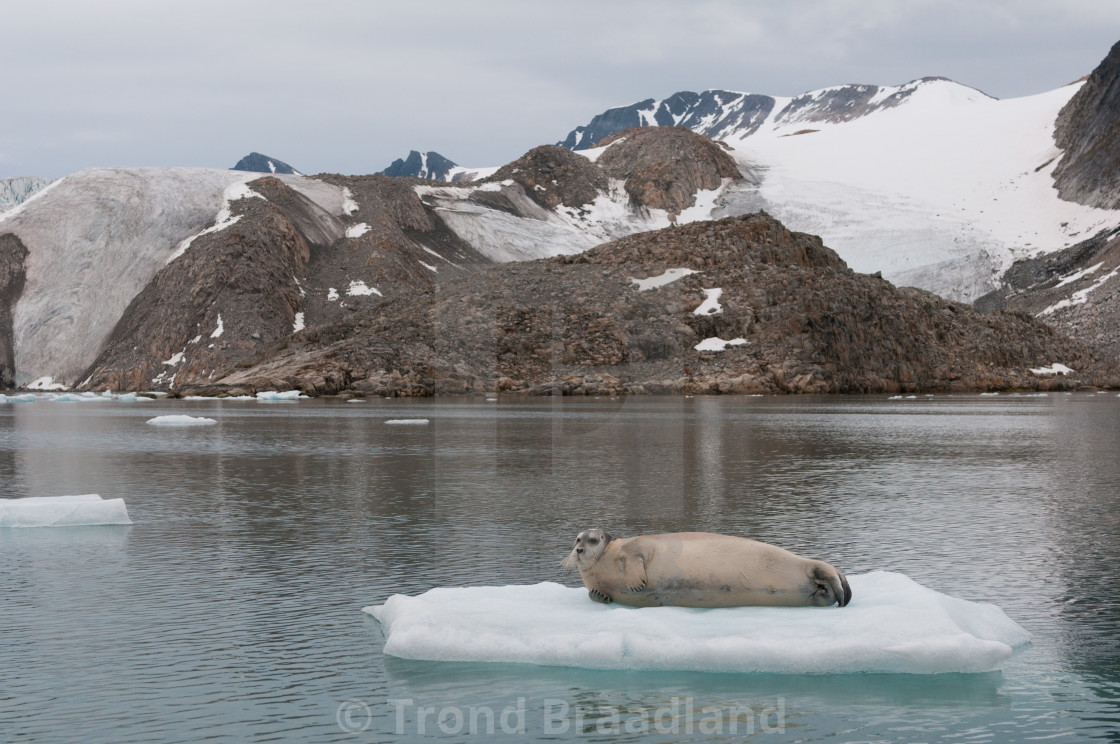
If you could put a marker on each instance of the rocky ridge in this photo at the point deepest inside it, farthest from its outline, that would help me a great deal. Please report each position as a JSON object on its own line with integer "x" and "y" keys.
{"x": 1076, "y": 290}
{"x": 1088, "y": 132}
{"x": 794, "y": 318}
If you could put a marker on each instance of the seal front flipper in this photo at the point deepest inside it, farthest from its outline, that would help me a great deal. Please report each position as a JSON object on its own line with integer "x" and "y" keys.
{"x": 598, "y": 596}
{"x": 634, "y": 574}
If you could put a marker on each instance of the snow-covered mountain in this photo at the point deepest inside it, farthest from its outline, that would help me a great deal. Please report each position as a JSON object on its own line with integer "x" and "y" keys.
{"x": 933, "y": 183}
{"x": 15, "y": 191}
{"x": 254, "y": 162}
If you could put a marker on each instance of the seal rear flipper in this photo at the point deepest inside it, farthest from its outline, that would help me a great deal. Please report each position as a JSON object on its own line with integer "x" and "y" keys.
{"x": 832, "y": 586}
{"x": 847, "y": 590}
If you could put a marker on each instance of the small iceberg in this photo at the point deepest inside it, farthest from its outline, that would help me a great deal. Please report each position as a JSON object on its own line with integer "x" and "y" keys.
{"x": 269, "y": 395}
{"x": 893, "y": 624}
{"x": 62, "y": 511}
{"x": 181, "y": 421}
{"x": 20, "y": 398}
{"x": 407, "y": 422}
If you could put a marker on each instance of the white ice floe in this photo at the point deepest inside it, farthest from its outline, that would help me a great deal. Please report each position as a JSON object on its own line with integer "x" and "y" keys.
{"x": 357, "y": 231}
{"x": 710, "y": 305}
{"x": 666, "y": 277}
{"x": 179, "y": 420}
{"x": 62, "y": 511}
{"x": 359, "y": 288}
{"x": 406, "y": 422}
{"x": 1053, "y": 369}
{"x": 893, "y": 624}
{"x": 268, "y": 395}
{"x": 20, "y": 398}
{"x": 76, "y": 398}
{"x": 715, "y": 343}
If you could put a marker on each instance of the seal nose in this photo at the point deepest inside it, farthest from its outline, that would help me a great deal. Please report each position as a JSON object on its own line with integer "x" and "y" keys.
{"x": 579, "y": 551}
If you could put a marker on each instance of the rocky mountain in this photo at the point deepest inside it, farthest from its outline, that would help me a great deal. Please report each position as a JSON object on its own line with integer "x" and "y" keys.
{"x": 1075, "y": 290}
{"x": 179, "y": 279}
{"x": 933, "y": 183}
{"x": 429, "y": 165}
{"x": 15, "y": 191}
{"x": 110, "y": 262}
{"x": 1088, "y": 133}
{"x": 739, "y": 305}
{"x": 254, "y": 162}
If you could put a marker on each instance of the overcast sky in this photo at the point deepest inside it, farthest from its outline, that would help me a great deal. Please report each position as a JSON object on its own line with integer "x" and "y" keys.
{"x": 347, "y": 86}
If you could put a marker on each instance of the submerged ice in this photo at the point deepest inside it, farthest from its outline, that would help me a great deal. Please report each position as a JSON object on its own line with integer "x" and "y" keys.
{"x": 62, "y": 511}
{"x": 893, "y": 624}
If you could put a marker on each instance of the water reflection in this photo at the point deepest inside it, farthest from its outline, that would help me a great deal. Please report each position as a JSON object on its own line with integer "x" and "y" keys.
{"x": 231, "y": 608}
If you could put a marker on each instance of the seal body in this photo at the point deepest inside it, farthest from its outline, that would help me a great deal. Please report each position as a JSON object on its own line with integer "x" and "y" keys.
{"x": 701, "y": 569}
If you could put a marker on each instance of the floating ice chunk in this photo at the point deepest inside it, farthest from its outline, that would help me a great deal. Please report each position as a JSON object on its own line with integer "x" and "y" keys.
{"x": 75, "y": 398}
{"x": 715, "y": 343}
{"x": 407, "y": 422}
{"x": 22, "y": 398}
{"x": 358, "y": 230}
{"x": 1053, "y": 369}
{"x": 710, "y": 305}
{"x": 268, "y": 395}
{"x": 666, "y": 277}
{"x": 62, "y": 511}
{"x": 131, "y": 398}
{"x": 181, "y": 421}
{"x": 893, "y": 624}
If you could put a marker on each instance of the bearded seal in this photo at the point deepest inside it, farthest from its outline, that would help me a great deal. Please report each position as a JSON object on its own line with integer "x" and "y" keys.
{"x": 701, "y": 569}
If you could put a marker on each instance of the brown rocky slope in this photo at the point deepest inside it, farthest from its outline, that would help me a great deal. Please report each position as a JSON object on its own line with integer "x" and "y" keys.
{"x": 580, "y": 325}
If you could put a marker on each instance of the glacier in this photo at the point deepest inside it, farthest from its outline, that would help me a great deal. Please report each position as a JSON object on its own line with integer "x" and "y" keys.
{"x": 893, "y": 625}
{"x": 96, "y": 238}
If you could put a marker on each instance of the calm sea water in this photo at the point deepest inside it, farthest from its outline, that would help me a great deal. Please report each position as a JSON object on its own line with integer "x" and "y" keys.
{"x": 230, "y": 610}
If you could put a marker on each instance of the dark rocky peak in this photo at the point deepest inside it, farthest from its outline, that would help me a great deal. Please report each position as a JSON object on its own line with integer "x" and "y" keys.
{"x": 664, "y": 167}
{"x": 254, "y": 162}
{"x": 1088, "y": 131}
{"x": 430, "y": 165}
{"x": 553, "y": 175}
{"x": 713, "y": 113}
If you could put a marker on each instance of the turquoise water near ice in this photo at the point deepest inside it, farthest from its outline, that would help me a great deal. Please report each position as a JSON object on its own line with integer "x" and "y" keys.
{"x": 231, "y": 609}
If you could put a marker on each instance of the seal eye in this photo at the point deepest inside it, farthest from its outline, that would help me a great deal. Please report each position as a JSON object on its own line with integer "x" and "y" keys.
{"x": 592, "y": 541}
